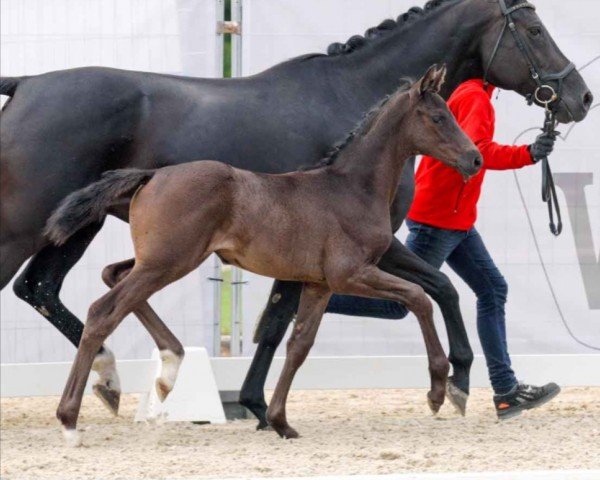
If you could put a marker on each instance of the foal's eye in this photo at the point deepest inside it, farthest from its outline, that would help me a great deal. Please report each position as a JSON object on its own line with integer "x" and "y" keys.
{"x": 437, "y": 119}
{"x": 535, "y": 31}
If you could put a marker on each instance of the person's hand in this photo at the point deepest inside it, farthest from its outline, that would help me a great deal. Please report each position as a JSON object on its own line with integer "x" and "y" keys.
{"x": 542, "y": 147}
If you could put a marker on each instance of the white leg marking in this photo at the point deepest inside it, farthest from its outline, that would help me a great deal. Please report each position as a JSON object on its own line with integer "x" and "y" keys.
{"x": 72, "y": 437}
{"x": 168, "y": 373}
{"x": 106, "y": 367}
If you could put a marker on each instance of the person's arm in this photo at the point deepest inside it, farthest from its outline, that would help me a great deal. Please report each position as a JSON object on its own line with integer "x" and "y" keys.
{"x": 475, "y": 116}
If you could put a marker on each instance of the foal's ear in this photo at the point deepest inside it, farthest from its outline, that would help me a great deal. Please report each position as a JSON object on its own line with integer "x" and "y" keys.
{"x": 440, "y": 78}
{"x": 433, "y": 80}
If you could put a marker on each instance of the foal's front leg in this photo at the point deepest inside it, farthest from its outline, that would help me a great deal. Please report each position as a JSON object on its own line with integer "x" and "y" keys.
{"x": 313, "y": 301}
{"x": 272, "y": 325}
{"x": 401, "y": 262}
{"x": 373, "y": 282}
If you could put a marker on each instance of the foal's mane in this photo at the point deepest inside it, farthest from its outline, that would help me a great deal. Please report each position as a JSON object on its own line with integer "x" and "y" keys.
{"x": 360, "y": 129}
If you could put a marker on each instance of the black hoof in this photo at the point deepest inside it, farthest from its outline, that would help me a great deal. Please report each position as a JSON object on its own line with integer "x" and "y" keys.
{"x": 110, "y": 398}
{"x": 457, "y": 397}
{"x": 264, "y": 426}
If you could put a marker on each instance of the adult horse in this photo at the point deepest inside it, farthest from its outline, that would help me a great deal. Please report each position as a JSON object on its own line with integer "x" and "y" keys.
{"x": 61, "y": 130}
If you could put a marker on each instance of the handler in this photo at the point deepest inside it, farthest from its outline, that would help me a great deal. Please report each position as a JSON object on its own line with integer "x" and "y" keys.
{"x": 441, "y": 223}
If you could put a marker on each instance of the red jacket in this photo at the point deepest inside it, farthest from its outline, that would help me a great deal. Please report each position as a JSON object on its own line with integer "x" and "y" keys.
{"x": 442, "y": 198}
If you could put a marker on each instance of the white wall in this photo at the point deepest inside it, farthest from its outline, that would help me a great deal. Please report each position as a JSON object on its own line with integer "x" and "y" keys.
{"x": 168, "y": 36}
{"x": 177, "y": 36}
{"x": 277, "y": 30}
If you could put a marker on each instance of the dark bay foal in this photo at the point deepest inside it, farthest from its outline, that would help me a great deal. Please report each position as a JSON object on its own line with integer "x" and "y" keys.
{"x": 326, "y": 227}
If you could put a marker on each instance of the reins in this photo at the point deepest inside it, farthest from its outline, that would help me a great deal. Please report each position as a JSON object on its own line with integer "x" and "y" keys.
{"x": 548, "y": 189}
{"x": 545, "y": 94}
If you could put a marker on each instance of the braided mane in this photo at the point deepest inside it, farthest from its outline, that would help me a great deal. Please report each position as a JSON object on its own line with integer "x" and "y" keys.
{"x": 383, "y": 29}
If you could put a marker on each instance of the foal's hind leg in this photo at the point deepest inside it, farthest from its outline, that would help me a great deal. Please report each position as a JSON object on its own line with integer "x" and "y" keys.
{"x": 171, "y": 350}
{"x": 313, "y": 301}
{"x": 104, "y": 316}
{"x": 372, "y": 282}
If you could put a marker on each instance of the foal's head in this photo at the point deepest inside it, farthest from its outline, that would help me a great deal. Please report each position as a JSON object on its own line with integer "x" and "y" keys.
{"x": 432, "y": 130}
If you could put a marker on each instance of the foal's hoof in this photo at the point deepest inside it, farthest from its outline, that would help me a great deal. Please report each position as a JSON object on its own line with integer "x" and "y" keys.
{"x": 72, "y": 437}
{"x": 108, "y": 396}
{"x": 162, "y": 389}
{"x": 457, "y": 397}
{"x": 287, "y": 432}
{"x": 283, "y": 429}
{"x": 434, "y": 405}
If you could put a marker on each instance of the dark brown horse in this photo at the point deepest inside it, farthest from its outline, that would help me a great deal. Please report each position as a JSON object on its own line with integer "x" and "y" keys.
{"x": 326, "y": 227}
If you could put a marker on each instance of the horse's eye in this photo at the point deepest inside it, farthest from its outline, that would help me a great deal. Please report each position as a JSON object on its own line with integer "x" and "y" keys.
{"x": 535, "y": 31}
{"x": 437, "y": 119}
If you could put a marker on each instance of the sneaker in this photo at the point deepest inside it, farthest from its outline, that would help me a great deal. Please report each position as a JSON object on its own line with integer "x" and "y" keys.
{"x": 523, "y": 397}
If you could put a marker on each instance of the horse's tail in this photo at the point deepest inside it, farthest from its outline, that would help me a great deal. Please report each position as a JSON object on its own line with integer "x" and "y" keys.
{"x": 8, "y": 85}
{"x": 91, "y": 204}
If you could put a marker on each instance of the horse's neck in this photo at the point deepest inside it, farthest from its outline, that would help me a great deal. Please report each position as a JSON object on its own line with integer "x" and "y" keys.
{"x": 437, "y": 37}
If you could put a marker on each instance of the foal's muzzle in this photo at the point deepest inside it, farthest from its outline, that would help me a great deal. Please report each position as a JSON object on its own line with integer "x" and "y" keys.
{"x": 470, "y": 164}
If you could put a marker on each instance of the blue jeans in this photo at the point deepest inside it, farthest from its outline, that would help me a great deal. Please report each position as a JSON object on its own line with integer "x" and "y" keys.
{"x": 466, "y": 254}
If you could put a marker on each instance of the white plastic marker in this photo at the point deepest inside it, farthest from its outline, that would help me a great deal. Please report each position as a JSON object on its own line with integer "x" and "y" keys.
{"x": 194, "y": 398}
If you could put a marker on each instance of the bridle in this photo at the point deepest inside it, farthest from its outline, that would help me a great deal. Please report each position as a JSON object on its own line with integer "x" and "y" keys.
{"x": 541, "y": 79}
{"x": 544, "y": 94}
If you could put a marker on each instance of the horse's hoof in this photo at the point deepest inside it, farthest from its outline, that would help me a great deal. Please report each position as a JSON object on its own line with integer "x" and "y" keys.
{"x": 72, "y": 437}
{"x": 457, "y": 397}
{"x": 434, "y": 406}
{"x": 263, "y": 425}
{"x": 108, "y": 396}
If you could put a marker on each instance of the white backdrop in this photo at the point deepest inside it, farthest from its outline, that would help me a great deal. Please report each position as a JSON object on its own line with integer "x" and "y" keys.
{"x": 178, "y": 36}
{"x": 167, "y": 36}
{"x": 277, "y": 30}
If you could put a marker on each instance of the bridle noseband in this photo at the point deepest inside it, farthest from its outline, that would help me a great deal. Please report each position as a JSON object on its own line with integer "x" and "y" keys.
{"x": 543, "y": 87}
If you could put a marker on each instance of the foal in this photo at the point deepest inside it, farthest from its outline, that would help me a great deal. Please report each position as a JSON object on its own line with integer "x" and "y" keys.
{"x": 326, "y": 227}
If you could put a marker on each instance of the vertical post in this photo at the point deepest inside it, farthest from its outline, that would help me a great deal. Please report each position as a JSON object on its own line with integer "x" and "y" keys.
{"x": 236, "y": 40}
{"x": 236, "y": 312}
{"x": 217, "y": 281}
{"x": 217, "y": 277}
{"x": 219, "y": 47}
{"x": 237, "y": 274}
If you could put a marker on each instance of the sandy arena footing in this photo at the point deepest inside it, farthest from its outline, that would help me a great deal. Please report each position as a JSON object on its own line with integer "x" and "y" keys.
{"x": 364, "y": 432}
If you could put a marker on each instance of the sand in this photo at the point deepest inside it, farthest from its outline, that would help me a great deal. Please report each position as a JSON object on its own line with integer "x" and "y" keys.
{"x": 343, "y": 432}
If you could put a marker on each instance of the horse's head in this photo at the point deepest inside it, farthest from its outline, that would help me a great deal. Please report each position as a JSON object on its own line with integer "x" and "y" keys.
{"x": 432, "y": 130}
{"x": 518, "y": 53}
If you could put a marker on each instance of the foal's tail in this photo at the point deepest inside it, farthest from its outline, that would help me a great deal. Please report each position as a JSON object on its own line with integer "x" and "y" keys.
{"x": 91, "y": 204}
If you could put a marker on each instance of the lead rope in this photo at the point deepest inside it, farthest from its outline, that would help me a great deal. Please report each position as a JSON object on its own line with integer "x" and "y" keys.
{"x": 548, "y": 188}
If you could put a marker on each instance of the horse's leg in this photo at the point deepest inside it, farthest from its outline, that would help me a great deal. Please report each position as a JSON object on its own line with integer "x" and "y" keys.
{"x": 313, "y": 301}
{"x": 12, "y": 255}
{"x": 171, "y": 350}
{"x": 272, "y": 325}
{"x": 103, "y": 317}
{"x": 403, "y": 263}
{"x": 373, "y": 282}
{"x": 39, "y": 285}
